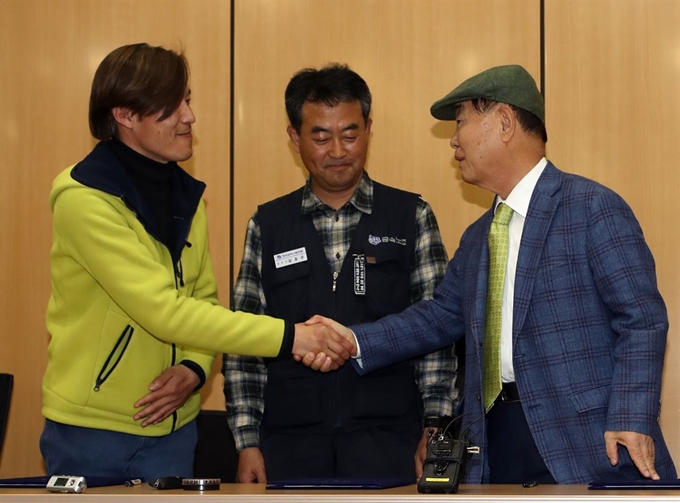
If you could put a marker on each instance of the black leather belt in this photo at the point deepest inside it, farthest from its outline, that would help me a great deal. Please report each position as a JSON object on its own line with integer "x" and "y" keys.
{"x": 509, "y": 392}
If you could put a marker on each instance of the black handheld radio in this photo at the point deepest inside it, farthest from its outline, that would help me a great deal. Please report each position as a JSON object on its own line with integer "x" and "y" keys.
{"x": 445, "y": 462}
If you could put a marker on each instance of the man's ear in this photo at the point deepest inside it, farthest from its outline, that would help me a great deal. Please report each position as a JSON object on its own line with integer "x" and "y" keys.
{"x": 123, "y": 116}
{"x": 508, "y": 121}
{"x": 294, "y": 138}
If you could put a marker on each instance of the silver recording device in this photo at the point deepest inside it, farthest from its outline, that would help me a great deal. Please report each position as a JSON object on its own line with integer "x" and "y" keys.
{"x": 66, "y": 484}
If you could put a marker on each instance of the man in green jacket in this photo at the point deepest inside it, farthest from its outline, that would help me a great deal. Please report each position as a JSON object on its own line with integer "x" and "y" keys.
{"x": 133, "y": 316}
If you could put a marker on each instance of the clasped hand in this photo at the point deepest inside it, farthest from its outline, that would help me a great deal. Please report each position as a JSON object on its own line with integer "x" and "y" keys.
{"x": 323, "y": 344}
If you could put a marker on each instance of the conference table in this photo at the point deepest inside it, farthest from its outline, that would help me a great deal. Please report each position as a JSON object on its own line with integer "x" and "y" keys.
{"x": 255, "y": 493}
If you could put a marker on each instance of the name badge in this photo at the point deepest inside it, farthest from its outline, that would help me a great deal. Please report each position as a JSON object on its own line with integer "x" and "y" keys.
{"x": 359, "y": 275}
{"x": 290, "y": 257}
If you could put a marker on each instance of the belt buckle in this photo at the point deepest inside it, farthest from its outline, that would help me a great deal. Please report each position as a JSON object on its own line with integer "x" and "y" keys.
{"x": 507, "y": 395}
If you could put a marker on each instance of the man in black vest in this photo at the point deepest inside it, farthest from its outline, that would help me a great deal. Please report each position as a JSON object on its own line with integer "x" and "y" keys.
{"x": 352, "y": 249}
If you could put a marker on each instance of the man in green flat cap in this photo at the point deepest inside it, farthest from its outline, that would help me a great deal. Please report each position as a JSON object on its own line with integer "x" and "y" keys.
{"x": 554, "y": 290}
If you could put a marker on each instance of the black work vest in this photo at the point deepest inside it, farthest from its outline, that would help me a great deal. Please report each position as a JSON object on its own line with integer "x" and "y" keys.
{"x": 374, "y": 281}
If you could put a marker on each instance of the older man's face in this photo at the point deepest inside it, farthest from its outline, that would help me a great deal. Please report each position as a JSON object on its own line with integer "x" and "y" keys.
{"x": 476, "y": 142}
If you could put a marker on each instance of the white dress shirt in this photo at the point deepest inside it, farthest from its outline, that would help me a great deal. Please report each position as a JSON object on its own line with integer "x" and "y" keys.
{"x": 518, "y": 200}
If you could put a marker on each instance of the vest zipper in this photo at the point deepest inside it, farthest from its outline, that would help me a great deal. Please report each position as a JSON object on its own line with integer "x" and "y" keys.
{"x": 335, "y": 280}
{"x": 114, "y": 356}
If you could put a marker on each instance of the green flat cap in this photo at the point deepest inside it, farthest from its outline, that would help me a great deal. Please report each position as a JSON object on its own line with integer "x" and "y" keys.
{"x": 509, "y": 84}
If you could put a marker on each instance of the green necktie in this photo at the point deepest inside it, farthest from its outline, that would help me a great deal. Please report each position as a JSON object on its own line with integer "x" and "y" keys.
{"x": 498, "y": 258}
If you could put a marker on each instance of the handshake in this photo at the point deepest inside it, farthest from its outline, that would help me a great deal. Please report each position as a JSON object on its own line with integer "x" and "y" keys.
{"x": 323, "y": 344}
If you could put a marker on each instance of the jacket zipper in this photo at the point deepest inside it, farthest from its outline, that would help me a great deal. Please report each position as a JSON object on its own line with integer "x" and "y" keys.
{"x": 114, "y": 356}
{"x": 174, "y": 414}
{"x": 179, "y": 282}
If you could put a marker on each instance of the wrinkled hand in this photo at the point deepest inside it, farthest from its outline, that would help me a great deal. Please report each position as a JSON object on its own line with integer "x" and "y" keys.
{"x": 169, "y": 391}
{"x": 640, "y": 448}
{"x": 320, "y": 347}
{"x": 421, "y": 452}
{"x": 251, "y": 466}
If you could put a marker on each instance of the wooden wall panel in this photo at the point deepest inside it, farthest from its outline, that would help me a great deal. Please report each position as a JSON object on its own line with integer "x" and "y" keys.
{"x": 612, "y": 73}
{"x": 50, "y": 49}
{"x": 410, "y": 53}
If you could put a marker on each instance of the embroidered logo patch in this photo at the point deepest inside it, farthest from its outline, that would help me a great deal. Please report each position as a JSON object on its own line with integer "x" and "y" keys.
{"x": 375, "y": 240}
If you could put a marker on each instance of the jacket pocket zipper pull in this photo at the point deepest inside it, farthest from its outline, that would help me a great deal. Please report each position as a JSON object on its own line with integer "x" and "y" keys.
{"x": 107, "y": 369}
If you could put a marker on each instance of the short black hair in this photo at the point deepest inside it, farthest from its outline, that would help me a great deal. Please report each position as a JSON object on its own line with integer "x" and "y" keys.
{"x": 143, "y": 78}
{"x": 332, "y": 84}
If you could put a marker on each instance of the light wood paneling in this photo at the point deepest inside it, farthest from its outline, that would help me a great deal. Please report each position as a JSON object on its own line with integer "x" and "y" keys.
{"x": 50, "y": 49}
{"x": 410, "y": 53}
{"x": 613, "y": 101}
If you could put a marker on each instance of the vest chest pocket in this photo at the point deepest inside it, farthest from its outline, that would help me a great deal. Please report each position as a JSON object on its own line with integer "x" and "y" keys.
{"x": 388, "y": 282}
{"x": 289, "y": 273}
{"x": 286, "y": 290}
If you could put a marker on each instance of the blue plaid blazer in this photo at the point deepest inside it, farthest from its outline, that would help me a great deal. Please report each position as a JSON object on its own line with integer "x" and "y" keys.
{"x": 589, "y": 329}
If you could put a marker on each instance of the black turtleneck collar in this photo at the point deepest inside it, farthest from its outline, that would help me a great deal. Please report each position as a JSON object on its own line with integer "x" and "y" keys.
{"x": 106, "y": 168}
{"x": 152, "y": 180}
{"x": 139, "y": 166}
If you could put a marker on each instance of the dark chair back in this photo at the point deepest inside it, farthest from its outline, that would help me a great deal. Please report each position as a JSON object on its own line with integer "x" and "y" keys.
{"x": 215, "y": 453}
{"x": 6, "y": 382}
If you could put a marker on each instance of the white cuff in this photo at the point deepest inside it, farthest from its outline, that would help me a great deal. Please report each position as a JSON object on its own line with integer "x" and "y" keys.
{"x": 356, "y": 343}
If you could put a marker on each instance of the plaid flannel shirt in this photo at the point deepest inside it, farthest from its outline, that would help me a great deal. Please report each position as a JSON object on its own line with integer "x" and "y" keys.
{"x": 246, "y": 377}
